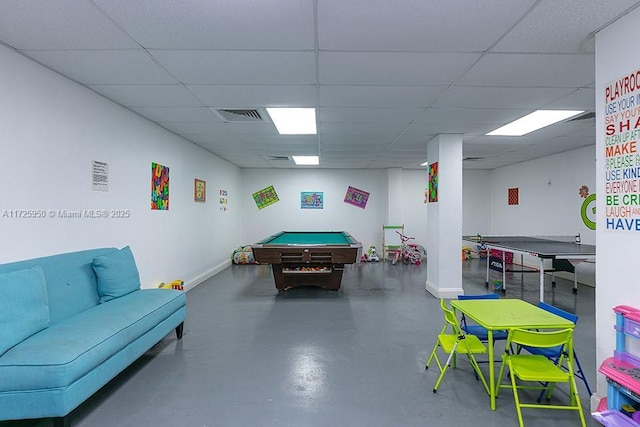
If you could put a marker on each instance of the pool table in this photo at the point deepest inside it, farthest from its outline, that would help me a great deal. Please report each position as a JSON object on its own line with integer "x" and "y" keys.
{"x": 308, "y": 258}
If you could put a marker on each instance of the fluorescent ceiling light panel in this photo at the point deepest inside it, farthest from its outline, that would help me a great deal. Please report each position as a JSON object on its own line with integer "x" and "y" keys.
{"x": 294, "y": 121}
{"x": 306, "y": 160}
{"x": 534, "y": 121}
{"x": 424, "y": 164}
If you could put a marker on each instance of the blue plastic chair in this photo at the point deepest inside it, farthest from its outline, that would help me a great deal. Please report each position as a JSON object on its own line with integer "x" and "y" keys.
{"x": 555, "y": 353}
{"x": 477, "y": 330}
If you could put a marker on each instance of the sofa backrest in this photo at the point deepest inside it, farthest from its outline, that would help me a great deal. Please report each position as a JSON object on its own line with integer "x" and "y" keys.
{"x": 71, "y": 282}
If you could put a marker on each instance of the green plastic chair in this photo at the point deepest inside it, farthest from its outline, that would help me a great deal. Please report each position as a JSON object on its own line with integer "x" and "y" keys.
{"x": 539, "y": 369}
{"x": 453, "y": 343}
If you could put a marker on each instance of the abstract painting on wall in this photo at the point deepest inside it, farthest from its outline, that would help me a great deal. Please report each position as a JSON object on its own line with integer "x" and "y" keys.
{"x": 433, "y": 182}
{"x": 311, "y": 200}
{"x": 513, "y": 196}
{"x": 159, "y": 187}
{"x": 356, "y": 197}
{"x": 265, "y": 197}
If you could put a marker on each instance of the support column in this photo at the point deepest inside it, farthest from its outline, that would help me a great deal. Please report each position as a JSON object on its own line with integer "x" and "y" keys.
{"x": 444, "y": 218}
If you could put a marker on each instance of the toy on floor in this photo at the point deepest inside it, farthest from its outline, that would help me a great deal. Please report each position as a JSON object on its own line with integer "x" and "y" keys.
{"x": 243, "y": 255}
{"x": 372, "y": 254}
{"x": 176, "y": 284}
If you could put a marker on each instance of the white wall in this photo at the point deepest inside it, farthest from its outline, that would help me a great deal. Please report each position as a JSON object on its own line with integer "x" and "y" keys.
{"x": 617, "y": 250}
{"x": 549, "y": 200}
{"x": 414, "y": 209}
{"x": 50, "y": 132}
{"x": 364, "y": 224}
{"x": 476, "y": 202}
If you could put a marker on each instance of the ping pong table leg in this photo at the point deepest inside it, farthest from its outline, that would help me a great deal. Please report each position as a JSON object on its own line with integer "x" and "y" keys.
{"x": 486, "y": 283}
{"x": 504, "y": 274}
{"x": 575, "y": 281}
{"x": 541, "y": 279}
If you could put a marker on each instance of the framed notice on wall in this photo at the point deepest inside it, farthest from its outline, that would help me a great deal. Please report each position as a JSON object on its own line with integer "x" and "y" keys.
{"x": 199, "y": 191}
{"x": 100, "y": 176}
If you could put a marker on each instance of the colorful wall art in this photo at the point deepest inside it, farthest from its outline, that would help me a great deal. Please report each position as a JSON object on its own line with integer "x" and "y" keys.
{"x": 159, "y": 187}
{"x": 224, "y": 201}
{"x": 199, "y": 191}
{"x": 621, "y": 160}
{"x": 311, "y": 200}
{"x": 588, "y": 208}
{"x": 265, "y": 197}
{"x": 356, "y": 197}
{"x": 433, "y": 182}
{"x": 513, "y": 196}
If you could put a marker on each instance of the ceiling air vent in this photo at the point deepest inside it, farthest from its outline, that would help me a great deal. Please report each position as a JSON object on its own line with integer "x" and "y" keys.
{"x": 472, "y": 159}
{"x": 277, "y": 158}
{"x": 584, "y": 116}
{"x": 239, "y": 116}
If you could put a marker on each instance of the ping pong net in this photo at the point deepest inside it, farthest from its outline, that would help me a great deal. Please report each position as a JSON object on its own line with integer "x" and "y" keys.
{"x": 504, "y": 239}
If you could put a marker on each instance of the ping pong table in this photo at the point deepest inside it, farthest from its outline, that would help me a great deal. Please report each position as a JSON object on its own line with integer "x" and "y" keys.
{"x": 564, "y": 252}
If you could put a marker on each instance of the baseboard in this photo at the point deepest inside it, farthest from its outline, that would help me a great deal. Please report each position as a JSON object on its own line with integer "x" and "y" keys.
{"x": 190, "y": 284}
{"x": 447, "y": 293}
{"x": 595, "y": 401}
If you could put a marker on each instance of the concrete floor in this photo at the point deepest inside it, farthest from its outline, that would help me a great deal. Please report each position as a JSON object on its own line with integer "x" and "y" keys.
{"x": 251, "y": 356}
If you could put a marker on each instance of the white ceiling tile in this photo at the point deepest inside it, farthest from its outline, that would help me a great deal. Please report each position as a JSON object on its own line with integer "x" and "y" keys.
{"x": 215, "y": 24}
{"x": 254, "y": 96}
{"x": 201, "y": 128}
{"x": 562, "y": 26}
{"x": 92, "y": 67}
{"x": 393, "y": 69}
{"x": 579, "y": 99}
{"x": 369, "y": 115}
{"x": 470, "y": 115}
{"x": 59, "y": 25}
{"x": 499, "y": 97}
{"x": 415, "y": 25}
{"x": 379, "y": 96}
{"x": 348, "y": 129}
{"x": 362, "y": 140}
{"x": 377, "y": 72}
{"x": 178, "y": 114}
{"x": 148, "y": 95}
{"x": 531, "y": 70}
{"x": 284, "y": 140}
{"x": 239, "y": 67}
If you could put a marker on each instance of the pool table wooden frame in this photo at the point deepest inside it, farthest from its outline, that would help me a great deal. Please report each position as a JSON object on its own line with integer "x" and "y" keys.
{"x": 307, "y": 264}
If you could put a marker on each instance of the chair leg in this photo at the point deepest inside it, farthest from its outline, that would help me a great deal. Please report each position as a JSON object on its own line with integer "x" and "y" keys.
{"x": 433, "y": 354}
{"x": 580, "y": 373}
{"x": 476, "y": 368}
{"x": 575, "y": 399}
{"x": 514, "y": 386}
{"x": 500, "y": 374}
{"x": 444, "y": 368}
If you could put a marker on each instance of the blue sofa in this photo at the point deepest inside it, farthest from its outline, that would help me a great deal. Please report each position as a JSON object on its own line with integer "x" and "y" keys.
{"x": 69, "y": 323}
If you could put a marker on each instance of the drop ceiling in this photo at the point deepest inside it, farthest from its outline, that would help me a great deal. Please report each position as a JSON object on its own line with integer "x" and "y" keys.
{"x": 385, "y": 76}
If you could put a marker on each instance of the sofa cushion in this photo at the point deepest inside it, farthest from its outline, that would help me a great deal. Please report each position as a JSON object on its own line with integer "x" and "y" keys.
{"x": 67, "y": 350}
{"x": 24, "y": 306}
{"x": 117, "y": 274}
